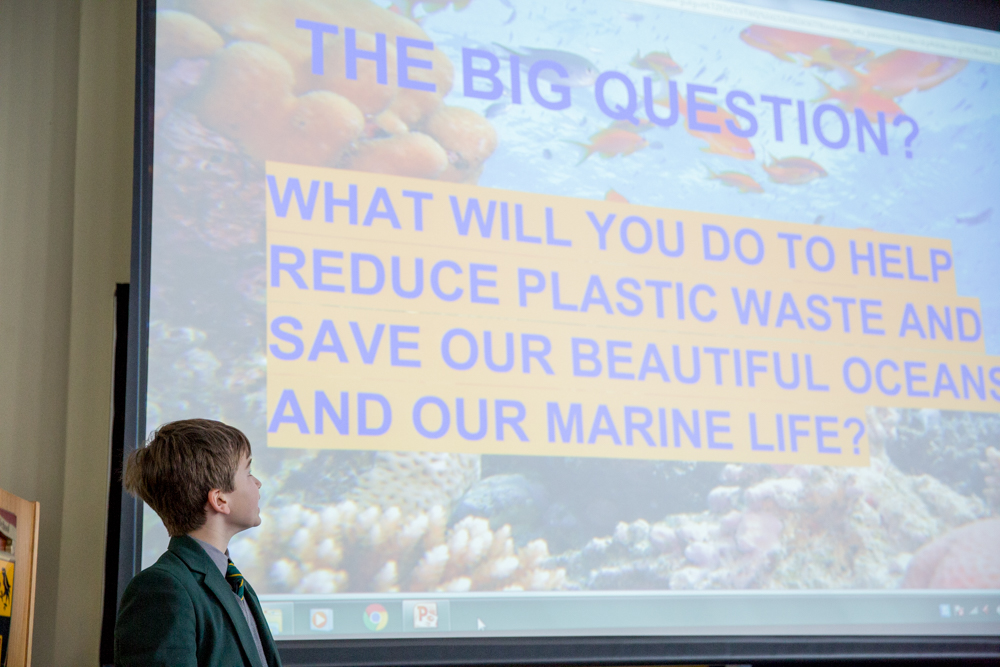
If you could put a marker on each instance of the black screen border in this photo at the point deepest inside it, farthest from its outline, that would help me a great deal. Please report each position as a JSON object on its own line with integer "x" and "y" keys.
{"x": 607, "y": 650}
{"x": 130, "y": 534}
{"x": 638, "y": 650}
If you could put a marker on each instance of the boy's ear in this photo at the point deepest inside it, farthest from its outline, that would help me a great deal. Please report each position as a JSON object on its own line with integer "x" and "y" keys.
{"x": 217, "y": 501}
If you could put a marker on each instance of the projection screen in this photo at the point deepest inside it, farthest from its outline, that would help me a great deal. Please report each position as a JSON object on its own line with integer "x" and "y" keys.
{"x": 587, "y": 317}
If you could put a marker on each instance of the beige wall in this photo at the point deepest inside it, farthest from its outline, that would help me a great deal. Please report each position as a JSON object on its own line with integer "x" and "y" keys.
{"x": 66, "y": 105}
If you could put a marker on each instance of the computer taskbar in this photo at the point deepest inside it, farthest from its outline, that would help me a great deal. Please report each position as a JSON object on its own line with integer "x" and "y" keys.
{"x": 360, "y": 615}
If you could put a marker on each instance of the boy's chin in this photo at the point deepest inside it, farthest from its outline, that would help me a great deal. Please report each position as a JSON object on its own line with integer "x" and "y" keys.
{"x": 251, "y": 523}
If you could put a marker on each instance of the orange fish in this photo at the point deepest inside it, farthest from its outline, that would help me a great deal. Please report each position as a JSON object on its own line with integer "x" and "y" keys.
{"x": 723, "y": 142}
{"x": 659, "y": 62}
{"x": 644, "y": 125}
{"x": 817, "y": 50}
{"x": 794, "y": 170}
{"x": 892, "y": 75}
{"x": 735, "y": 179}
{"x": 613, "y": 195}
{"x": 860, "y": 96}
{"x": 839, "y": 56}
{"x": 899, "y": 72}
{"x": 611, "y": 142}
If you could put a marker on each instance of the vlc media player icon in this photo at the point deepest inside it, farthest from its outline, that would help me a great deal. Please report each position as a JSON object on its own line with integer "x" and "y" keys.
{"x": 321, "y": 620}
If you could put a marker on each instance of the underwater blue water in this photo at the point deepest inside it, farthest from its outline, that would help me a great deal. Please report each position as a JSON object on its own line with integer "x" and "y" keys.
{"x": 213, "y": 364}
{"x": 949, "y": 189}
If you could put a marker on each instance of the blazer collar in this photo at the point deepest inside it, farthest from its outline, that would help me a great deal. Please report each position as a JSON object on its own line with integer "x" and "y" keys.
{"x": 191, "y": 553}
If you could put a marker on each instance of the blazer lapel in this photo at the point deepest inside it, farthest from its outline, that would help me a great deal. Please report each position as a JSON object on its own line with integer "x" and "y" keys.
{"x": 266, "y": 639}
{"x": 217, "y": 584}
{"x": 197, "y": 560}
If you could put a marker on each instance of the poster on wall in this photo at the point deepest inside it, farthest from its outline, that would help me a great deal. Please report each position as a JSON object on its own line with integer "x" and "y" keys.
{"x": 8, "y": 535}
{"x": 582, "y": 296}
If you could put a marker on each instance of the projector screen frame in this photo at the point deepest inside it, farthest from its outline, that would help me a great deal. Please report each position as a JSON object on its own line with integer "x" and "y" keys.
{"x": 623, "y": 650}
{"x": 466, "y": 650}
{"x": 130, "y": 537}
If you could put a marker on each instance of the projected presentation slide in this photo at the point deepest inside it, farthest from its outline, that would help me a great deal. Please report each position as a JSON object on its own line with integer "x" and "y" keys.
{"x": 588, "y": 316}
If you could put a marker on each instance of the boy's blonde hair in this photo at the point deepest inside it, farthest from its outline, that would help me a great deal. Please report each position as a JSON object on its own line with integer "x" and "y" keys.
{"x": 183, "y": 461}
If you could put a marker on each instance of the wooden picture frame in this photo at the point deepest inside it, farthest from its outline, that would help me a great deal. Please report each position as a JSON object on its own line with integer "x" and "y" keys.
{"x": 23, "y": 588}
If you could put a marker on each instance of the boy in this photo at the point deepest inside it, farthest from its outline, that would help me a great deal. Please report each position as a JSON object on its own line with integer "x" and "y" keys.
{"x": 192, "y": 607}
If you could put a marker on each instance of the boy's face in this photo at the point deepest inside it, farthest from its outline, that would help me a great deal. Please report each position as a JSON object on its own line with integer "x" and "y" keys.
{"x": 244, "y": 500}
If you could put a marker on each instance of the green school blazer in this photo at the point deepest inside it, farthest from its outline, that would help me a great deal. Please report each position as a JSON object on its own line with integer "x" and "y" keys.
{"x": 181, "y": 612}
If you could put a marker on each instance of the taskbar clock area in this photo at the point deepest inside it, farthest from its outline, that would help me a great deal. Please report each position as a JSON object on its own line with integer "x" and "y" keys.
{"x": 354, "y": 616}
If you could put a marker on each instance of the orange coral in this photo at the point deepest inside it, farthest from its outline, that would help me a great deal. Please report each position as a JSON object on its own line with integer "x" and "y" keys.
{"x": 371, "y": 99}
{"x": 261, "y": 91}
{"x": 413, "y": 154}
{"x": 248, "y": 97}
{"x": 180, "y": 35}
{"x": 467, "y": 137}
{"x": 965, "y": 557}
{"x": 414, "y": 106}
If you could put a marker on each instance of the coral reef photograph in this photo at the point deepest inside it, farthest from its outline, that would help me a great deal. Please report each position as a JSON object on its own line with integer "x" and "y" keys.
{"x": 236, "y": 86}
{"x": 333, "y": 523}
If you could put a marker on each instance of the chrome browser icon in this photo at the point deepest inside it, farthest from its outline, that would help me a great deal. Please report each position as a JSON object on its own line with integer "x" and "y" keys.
{"x": 376, "y": 617}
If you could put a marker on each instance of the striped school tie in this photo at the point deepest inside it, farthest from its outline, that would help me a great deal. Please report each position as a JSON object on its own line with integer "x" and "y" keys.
{"x": 235, "y": 579}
